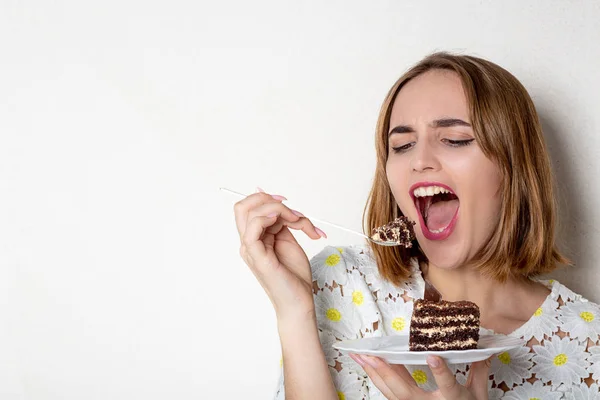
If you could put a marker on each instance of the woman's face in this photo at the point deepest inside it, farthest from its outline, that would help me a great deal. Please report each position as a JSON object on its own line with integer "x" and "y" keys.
{"x": 437, "y": 172}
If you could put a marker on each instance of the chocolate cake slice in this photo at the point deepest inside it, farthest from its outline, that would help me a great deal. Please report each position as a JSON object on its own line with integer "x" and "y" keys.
{"x": 444, "y": 325}
{"x": 399, "y": 231}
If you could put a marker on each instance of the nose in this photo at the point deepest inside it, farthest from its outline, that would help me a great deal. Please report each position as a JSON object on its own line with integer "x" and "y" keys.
{"x": 424, "y": 158}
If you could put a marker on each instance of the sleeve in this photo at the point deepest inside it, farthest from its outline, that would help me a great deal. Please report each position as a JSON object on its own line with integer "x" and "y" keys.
{"x": 345, "y": 310}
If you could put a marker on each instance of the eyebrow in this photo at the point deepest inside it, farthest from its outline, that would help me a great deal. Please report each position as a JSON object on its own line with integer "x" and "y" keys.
{"x": 438, "y": 123}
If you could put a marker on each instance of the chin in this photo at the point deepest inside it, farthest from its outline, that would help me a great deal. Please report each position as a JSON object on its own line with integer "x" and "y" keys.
{"x": 445, "y": 262}
{"x": 443, "y": 255}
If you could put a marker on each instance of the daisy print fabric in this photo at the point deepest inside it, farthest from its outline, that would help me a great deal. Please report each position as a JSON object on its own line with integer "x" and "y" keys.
{"x": 561, "y": 359}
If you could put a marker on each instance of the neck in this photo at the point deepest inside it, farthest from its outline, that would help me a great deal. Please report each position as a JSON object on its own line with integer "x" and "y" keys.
{"x": 499, "y": 303}
{"x": 464, "y": 283}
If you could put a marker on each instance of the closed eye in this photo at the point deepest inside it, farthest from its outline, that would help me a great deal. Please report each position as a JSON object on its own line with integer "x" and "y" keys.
{"x": 459, "y": 143}
{"x": 402, "y": 149}
{"x": 449, "y": 142}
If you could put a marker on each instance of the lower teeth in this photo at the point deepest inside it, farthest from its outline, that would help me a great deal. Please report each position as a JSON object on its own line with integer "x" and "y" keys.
{"x": 439, "y": 230}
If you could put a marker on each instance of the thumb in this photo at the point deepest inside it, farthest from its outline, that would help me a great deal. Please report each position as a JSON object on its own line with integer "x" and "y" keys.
{"x": 445, "y": 379}
{"x": 479, "y": 375}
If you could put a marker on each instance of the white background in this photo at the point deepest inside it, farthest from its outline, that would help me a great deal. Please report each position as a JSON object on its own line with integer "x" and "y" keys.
{"x": 119, "y": 120}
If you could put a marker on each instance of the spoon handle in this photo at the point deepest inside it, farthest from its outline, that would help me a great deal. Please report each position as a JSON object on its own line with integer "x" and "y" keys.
{"x": 311, "y": 218}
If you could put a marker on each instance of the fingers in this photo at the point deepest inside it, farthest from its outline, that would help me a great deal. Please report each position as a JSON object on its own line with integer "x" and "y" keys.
{"x": 477, "y": 382}
{"x": 395, "y": 382}
{"x": 286, "y": 217}
{"x": 273, "y": 207}
{"x": 445, "y": 379}
{"x": 259, "y": 218}
{"x": 404, "y": 374}
{"x": 263, "y": 204}
{"x": 253, "y": 250}
{"x": 243, "y": 207}
{"x": 380, "y": 383}
{"x": 269, "y": 219}
{"x": 391, "y": 383}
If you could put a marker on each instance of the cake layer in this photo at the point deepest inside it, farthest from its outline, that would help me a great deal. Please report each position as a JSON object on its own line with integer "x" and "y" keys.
{"x": 440, "y": 334}
{"x": 434, "y": 319}
{"x": 443, "y": 331}
{"x": 445, "y": 308}
{"x": 444, "y": 324}
{"x": 445, "y": 346}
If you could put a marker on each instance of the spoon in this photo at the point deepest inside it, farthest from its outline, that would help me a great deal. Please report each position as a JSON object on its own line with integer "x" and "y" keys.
{"x": 379, "y": 242}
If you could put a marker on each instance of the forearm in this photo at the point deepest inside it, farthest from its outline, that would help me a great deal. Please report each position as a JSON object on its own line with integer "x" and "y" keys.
{"x": 306, "y": 373}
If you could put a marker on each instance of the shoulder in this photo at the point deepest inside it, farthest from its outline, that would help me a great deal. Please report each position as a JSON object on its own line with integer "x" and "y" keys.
{"x": 577, "y": 319}
{"x": 578, "y": 316}
{"x": 562, "y": 340}
{"x": 562, "y": 293}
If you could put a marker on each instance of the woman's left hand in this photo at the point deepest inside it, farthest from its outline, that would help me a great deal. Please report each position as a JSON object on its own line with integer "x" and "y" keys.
{"x": 396, "y": 383}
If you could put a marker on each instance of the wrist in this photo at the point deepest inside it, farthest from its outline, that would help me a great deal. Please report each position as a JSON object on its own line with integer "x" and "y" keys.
{"x": 297, "y": 322}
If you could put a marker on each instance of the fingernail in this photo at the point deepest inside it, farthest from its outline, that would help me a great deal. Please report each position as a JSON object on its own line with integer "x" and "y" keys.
{"x": 433, "y": 362}
{"x": 298, "y": 213}
{"x": 278, "y": 197}
{"x": 320, "y": 233}
{"x": 372, "y": 361}
{"x": 272, "y": 215}
{"x": 357, "y": 358}
{"x": 259, "y": 190}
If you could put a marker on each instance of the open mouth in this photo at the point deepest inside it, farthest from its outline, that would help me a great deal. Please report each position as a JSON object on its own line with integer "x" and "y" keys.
{"x": 438, "y": 207}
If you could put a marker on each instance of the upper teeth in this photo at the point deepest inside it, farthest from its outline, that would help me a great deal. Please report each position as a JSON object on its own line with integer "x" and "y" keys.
{"x": 424, "y": 191}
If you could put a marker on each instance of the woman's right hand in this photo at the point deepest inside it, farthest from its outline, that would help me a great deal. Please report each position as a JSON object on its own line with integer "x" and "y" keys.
{"x": 395, "y": 382}
{"x": 273, "y": 254}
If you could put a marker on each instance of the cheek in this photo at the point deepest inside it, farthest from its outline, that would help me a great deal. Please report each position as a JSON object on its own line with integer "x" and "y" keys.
{"x": 486, "y": 180}
{"x": 395, "y": 174}
{"x": 489, "y": 189}
{"x": 398, "y": 181}
{"x": 491, "y": 182}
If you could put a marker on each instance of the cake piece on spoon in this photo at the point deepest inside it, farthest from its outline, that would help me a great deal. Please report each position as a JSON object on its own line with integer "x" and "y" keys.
{"x": 399, "y": 231}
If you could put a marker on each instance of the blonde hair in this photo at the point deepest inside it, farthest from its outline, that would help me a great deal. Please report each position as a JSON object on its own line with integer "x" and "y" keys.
{"x": 507, "y": 129}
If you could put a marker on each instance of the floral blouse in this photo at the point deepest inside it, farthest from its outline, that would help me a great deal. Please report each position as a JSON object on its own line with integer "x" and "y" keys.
{"x": 560, "y": 361}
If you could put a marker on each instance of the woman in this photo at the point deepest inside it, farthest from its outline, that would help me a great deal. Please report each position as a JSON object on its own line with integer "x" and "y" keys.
{"x": 467, "y": 126}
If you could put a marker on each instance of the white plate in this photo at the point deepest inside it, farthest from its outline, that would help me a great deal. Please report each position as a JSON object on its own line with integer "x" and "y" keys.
{"x": 394, "y": 349}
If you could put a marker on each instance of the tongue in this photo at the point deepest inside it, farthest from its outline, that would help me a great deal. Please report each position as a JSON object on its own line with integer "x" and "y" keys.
{"x": 440, "y": 214}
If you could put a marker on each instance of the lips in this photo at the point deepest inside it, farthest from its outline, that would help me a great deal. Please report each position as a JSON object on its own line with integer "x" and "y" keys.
{"x": 437, "y": 206}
